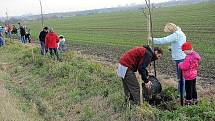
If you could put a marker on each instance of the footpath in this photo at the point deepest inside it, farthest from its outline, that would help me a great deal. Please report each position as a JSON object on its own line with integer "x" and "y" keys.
{"x": 8, "y": 105}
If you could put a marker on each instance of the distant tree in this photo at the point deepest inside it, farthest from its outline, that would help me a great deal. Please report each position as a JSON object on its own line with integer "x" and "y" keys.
{"x": 13, "y": 20}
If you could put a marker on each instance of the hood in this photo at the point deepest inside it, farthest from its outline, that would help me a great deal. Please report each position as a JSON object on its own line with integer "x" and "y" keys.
{"x": 196, "y": 56}
{"x": 178, "y": 28}
{"x": 151, "y": 52}
{"x": 51, "y": 33}
{"x": 148, "y": 48}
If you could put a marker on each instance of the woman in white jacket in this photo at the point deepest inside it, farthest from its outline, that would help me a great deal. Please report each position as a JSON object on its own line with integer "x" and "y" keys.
{"x": 177, "y": 38}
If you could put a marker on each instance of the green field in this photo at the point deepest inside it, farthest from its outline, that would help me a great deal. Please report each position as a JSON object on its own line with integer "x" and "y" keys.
{"x": 124, "y": 30}
{"x": 130, "y": 28}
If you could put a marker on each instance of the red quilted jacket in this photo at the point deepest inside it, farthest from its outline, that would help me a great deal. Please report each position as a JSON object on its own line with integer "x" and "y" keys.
{"x": 51, "y": 40}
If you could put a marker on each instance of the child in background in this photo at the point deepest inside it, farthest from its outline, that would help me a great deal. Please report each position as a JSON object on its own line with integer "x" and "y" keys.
{"x": 61, "y": 43}
{"x": 189, "y": 69}
{"x": 28, "y": 37}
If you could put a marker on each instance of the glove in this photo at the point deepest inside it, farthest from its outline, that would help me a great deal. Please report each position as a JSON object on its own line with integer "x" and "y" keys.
{"x": 169, "y": 48}
{"x": 148, "y": 85}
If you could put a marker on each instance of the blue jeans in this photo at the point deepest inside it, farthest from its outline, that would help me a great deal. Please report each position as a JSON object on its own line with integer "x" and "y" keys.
{"x": 14, "y": 36}
{"x": 43, "y": 49}
{"x": 1, "y": 41}
{"x": 61, "y": 48}
{"x": 178, "y": 77}
{"x": 23, "y": 40}
{"x": 7, "y": 34}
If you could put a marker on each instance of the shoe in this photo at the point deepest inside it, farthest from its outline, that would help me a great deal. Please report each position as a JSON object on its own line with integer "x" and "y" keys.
{"x": 195, "y": 101}
{"x": 188, "y": 102}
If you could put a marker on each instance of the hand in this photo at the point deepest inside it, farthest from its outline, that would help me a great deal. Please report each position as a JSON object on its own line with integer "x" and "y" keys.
{"x": 148, "y": 85}
{"x": 149, "y": 38}
{"x": 169, "y": 48}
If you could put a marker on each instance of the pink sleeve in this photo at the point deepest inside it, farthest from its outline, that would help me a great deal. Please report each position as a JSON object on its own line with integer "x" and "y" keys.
{"x": 185, "y": 65}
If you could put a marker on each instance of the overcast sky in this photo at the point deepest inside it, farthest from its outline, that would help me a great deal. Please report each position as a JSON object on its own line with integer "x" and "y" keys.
{"x": 23, "y": 7}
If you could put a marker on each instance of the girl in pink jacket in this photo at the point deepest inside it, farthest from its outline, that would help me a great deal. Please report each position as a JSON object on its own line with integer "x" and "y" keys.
{"x": 189, "y": 69}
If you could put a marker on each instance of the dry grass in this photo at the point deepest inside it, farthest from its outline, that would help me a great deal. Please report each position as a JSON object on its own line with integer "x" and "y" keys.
{"x": 97, "y": 104}
{"x": 10, "y": 108}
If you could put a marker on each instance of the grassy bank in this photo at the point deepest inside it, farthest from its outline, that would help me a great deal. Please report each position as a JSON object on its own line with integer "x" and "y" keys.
{"x": 79, "y": 88}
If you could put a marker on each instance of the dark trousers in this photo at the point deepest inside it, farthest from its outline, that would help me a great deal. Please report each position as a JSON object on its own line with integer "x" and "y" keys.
{"x": 131, "y": 87}
{"x": 190, "y": 87}
{"x": 55, "y": 52}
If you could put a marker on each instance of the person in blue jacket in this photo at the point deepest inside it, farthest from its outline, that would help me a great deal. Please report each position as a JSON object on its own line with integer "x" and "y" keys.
{"x": 176, "y": 38}
{"x": 1, "y": 36}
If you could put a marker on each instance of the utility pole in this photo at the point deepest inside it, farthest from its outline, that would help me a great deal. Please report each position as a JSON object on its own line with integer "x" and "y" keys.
{"x": 151, "y": 32}
{"x": 7, "y": 18}
{"x": 41, "y": 9}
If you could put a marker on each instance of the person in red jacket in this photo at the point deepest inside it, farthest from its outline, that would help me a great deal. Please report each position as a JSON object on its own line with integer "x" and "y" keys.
{"x": 136, "y": 59}
{"x": 51, "y": 41}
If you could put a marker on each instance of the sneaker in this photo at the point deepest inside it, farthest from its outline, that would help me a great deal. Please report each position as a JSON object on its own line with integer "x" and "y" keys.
{"x": 188, "y": 102}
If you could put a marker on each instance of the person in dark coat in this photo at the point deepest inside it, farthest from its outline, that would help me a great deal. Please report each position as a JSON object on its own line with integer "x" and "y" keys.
{"x": 22, "y": 33}
{"x": 14, "y": 32}
{"x": 42, "y": 37}
{"x": 136, "y": 59}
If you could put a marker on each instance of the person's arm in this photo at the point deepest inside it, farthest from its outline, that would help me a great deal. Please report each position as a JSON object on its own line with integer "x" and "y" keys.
{"x": 142, "y": 67}
{"x": 41, "y": 36}
{"x": 168, "y": 39}
{"x": 46, "y": 41}
{"x": 57, "y": 38}
{"x": 185, "y": 65}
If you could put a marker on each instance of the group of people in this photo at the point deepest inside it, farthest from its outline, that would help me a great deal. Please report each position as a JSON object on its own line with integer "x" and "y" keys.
{"x": 138, "y": 59}
{"x": 24, "y": 33}
{"x": 49, "y": 41}
{"x": 135, "y": 59}
{"x": 11, "y": 31}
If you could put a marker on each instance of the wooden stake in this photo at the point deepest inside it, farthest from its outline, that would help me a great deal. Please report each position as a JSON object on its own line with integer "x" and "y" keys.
{"x": 149, "y": 34}
{"x": 141, "y": 89}
{"x": 41, "y": 10}
{"x": 181, "y": 88}
{"x": 32, "y": 50}
{"x": 149, "y": 28}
